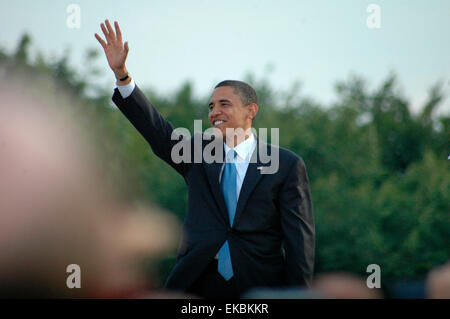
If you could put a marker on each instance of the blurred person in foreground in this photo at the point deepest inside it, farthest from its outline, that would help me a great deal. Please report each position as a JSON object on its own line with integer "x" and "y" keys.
{"x": 437, "y": 284}
{"x": 342, "y": 285}
{"x": 333, "y": 285}
{"x": 56, "y": 209}
{"x": 244, "y": 227}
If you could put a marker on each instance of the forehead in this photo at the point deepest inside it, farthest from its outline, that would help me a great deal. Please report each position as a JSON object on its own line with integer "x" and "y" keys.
{"x": 224, "y": 92}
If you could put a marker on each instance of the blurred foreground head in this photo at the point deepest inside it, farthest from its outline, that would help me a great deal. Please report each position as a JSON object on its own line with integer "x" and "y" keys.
{"x": 340, "y": 285}
{"x": 57, "y": 207}
{"x": 438, "y": 282}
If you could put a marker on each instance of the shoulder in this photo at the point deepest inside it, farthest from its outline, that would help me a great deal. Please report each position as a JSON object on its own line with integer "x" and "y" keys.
{"x": 279, "y": 160}
{"x": 286, "y": 156}
{"x": 289, "y": 155}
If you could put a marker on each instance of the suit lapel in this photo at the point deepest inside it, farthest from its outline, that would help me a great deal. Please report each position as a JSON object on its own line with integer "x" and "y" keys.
{"x": 252, "y": 177}
{"x": 213, "y": 173}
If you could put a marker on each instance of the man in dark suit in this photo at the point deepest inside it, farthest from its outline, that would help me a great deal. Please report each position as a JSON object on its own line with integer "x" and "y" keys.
{"x": 246, "y": 226}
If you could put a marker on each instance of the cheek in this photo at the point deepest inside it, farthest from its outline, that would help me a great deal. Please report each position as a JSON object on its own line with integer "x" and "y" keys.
{"x": 243, "y": 117}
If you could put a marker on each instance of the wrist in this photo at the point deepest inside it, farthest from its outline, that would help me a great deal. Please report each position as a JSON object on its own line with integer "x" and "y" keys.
{"x": 120, "y": 73}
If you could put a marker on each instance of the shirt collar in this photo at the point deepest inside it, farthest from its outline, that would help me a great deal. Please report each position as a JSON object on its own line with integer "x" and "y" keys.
{"x": 243, "y": 149}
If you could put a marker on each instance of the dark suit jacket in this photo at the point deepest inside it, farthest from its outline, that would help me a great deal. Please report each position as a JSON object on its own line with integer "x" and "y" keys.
{"x": 272, "y": 238}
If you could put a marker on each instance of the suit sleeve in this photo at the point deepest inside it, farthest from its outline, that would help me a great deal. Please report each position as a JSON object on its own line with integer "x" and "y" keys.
{"x": 297, "y": 222}
{"x": 156, "y": 130}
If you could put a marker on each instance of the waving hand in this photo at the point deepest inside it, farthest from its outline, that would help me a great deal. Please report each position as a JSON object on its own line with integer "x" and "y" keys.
{"x": 115, "y": 50}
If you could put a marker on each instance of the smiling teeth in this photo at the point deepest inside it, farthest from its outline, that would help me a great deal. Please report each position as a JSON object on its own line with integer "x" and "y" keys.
{"x": 218, "y": 122}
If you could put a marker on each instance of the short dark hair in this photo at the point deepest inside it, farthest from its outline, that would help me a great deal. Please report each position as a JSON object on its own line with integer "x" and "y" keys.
{"x": 244, "y": 90}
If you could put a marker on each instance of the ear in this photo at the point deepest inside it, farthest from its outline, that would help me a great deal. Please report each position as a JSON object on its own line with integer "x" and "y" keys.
{"x": 252, "y": 110}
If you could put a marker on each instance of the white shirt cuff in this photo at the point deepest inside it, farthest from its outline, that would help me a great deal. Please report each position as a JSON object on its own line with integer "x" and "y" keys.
{"x": 126, "y": 90}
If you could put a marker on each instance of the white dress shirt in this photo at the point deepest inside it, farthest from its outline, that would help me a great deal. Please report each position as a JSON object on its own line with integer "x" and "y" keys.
{"x": 126, "y": 90}
{"x": 244, "y": 152}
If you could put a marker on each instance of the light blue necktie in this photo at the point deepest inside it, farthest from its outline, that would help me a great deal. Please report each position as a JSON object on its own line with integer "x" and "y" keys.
{"x": 228, "y": 184}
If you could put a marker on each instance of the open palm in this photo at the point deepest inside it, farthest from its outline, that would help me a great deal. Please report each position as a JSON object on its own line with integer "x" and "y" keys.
{"x": 116, "y": 52}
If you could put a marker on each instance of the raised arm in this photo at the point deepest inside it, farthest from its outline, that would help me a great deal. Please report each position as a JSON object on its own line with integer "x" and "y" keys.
{"x": 136, "y": 107}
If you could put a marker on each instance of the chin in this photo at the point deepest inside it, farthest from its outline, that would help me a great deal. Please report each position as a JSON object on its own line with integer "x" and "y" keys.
{"x": 223, "y": 131}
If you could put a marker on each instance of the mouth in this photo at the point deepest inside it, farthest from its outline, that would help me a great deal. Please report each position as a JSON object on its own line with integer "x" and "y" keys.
{"x": 218, "y": 122}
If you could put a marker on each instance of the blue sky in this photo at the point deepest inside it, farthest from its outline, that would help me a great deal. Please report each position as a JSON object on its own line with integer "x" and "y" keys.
{"x": 315, "y": 42}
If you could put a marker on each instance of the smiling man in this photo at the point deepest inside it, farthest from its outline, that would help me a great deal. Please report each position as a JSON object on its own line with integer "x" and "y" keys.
{"x": 232, "y": 107}
{"x": 243, "y": 229}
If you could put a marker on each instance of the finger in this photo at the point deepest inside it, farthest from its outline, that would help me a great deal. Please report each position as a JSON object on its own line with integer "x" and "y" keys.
{"x": 110, "y": 30}
{"x": 103, "y": 43}
{"x": 105, "y": 32}
{"x": 118, "y": 32}
{"x": 126, "y": 49}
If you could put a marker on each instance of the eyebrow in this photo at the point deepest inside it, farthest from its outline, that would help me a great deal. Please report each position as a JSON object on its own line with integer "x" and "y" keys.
{"x": 221, "y": 101}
